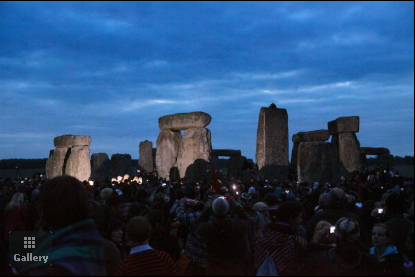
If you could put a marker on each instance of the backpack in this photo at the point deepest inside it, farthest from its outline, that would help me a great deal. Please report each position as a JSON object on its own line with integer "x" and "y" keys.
{"x": 267, "y": 267}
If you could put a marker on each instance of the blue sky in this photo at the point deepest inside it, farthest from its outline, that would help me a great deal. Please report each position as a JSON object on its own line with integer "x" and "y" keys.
{"x": 111, "y": 69}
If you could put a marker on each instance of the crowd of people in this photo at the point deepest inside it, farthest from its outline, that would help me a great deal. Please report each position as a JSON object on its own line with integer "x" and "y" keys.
{"x": 146, "y": 226}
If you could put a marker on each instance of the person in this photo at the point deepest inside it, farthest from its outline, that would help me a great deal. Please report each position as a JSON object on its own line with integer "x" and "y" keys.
{"x": 346, "y": 259}
{"x": 114, "y": 233}
{"x": 281, "y": 241}
{"x": 77, "y": 247}
{"x": 15, "y": 215}
{"x": 143, "y": 260}
{"x": 323, "y": 237}
{"x": 390, "y": 262}
{"x": 226, "y": 241}
{"x": 336, "y": 208}
{"x": 397, "y": 223}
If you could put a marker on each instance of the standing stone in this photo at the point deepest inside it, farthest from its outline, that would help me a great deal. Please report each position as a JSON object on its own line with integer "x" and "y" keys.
{"x": 100, "y": 165}
{"x": 272, "y": 143}
{"x": 146, "y": 156}
{"x": 318, "y": 162}
{"x": 349, "y": 151}
{"x": 168, "y": 143}
{"x": 194, "y": 153}
{"x": 56, "y": 162}
{"x": 120, "y": 165}
{"x": 78, "y": 164}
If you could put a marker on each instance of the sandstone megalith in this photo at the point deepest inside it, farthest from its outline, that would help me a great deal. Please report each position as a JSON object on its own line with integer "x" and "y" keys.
{"x": 100, "y": 166}
{"x": 168, "y": 143}
{"x": 195, "y": 146}
{"x": 318, "y": 162}
{"x": 343, "y": 134}
{"x": 146, "y": 161}
{"x": 272, "y": 143}
{"x": 184, "y": 121}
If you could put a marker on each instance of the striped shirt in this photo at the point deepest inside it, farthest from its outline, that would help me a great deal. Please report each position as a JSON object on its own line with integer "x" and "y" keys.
{"x": 148, "y": 262}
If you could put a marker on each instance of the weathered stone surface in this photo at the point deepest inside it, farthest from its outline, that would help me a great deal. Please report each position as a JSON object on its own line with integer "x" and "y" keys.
{"x": 318, "y": 162}
{"x": 272, "y": 144}
{"x": 374, "y": 151}
{"x": 194, "y": 153}
{"x": 319, "y": 135}
{"x": 236, "y": 165}
{"x": 82, "y": 141}
{"x": 348, "y": 124}
{"x": 349, "y": 151}
{"x": 168, "y": 143}
{"x": 78, "y": 164}
{"x": 100, "y": 166}
{"x": 226, "y": 153}
{"x": 120, "y": 165}
{"x": 294, "y": 157}
{"x": 65, "y": 141}
{"x": 184, "y": 121}
{"x": 146, "y": 156}
{"x": 71, "y": 141}
{"x": 56, "y": 162}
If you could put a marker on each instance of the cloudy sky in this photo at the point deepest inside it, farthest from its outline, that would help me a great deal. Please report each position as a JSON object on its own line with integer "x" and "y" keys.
{"x": 111, "y": 69}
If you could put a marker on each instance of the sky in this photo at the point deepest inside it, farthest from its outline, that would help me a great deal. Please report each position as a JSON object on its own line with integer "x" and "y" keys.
{"x": 111, "y": 69}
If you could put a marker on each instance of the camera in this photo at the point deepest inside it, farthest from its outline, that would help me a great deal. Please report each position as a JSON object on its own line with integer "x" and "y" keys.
{"x": 380, "y": 211}
{"x": 332, "y": 229}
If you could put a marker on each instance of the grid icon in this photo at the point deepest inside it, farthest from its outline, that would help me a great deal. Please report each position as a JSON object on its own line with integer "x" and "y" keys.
{"x": 29, "y": 242}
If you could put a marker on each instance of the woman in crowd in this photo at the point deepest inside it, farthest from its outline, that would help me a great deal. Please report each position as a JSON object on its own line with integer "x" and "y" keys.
{"x": 390, "y": 261}
{"x": 15, "y": 215}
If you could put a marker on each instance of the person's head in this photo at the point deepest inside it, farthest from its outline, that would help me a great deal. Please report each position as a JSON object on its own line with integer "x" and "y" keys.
{"x": 271, "y": 199}
{"x": 337, "y": 199}
{"x": 220, "y": 207}
{"x": 347, "y": 235}
{"x": 138, "y": 230}
{"x": 322, "y": 233}
{"x": 323, "y": 200}
{"x": 246, "y": 200}
{"x": 62, "y": 202}
{"x": 116, "y": 205}
{"x": 16, "y": 203}
{"x": 106, "y": 193}
{"x": 381, "y": 235}
{"x": 290, "y": 212}
{"x": 262, "y": 208}
{"x": 115, "y": 230}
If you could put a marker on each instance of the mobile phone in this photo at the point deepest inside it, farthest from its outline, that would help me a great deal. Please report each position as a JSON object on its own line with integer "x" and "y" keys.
{"x": 287, "y": 191}
{"x": 359, "y": 205}
{"x": 380, "y": 211}
{"x": 332, "y": 229}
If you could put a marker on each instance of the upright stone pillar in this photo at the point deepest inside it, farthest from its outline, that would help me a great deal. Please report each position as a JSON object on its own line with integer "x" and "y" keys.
{"x": 146, "y": 156}
{"x": 343, "y": 131}
{"x": 272, "y": 143}
{"x": 168, "y": 143}
{"x": 120, "y": 165}
{"x": 194, "y": 153}
{"x": 318, "y": 162}
{"x": 173, "y": 151}
{"x": 312, "y": 136}
{"x": 61, "y": 162}
{"x": 55, "y": 165}
{"x": 100, "y": 165}
{"x": 79, "y": 164}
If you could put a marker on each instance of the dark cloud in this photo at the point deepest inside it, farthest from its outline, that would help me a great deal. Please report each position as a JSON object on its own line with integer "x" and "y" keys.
{"x": 111, "y": 69}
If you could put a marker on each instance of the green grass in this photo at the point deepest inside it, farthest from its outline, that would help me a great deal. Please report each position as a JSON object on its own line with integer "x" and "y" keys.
{"x": 24, "y": 173}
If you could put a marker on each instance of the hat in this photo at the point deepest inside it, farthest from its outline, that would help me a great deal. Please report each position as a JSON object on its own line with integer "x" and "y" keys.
{"x": 220, "y": 206}
{"x": 260, "y": 207}
{"x": 251, "y": 190}
{"x": 316, "y": 185}
{"x": 246, "y": 199}
{"x": 347, "y": 229}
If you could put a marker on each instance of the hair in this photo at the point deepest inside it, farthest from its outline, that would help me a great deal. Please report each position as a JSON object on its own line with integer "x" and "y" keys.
{"x": 106, "y": 193}
{"x": 271, "y": 199}
{"x": 17, "y": 202}
{"x": 63, "y": 202}
{"x": 288, "y": 211}
{"x": 386, "y": 227}
{"x": 113, "y": 225}
{"x": 320, "y": 226}
{"x": 138, "y": 229}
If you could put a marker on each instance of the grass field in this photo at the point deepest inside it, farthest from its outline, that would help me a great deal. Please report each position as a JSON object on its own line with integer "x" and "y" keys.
{"x": 24, "y": 173}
